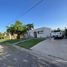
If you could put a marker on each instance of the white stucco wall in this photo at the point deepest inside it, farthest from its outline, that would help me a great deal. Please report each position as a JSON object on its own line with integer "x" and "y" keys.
{"x": 46, "y": 32}
{"x": 31, "y": 33}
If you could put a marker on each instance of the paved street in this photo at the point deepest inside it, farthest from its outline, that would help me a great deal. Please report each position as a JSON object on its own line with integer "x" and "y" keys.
{"x": 57, "y": 48}
{"x": 12, "y": 57}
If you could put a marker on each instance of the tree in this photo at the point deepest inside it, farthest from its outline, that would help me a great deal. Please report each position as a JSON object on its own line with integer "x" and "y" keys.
{"x": 1, "y": 36}
{"x": 11, "y": 29}
{"x": 17, "y": 28}
{"x": 57, "y": 30}
{"x": 29, "y": 26}
{"x": 65, "y": 32}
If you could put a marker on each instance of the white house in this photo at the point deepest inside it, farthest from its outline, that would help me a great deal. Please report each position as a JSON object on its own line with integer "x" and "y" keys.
{"x": 40, "y": 32}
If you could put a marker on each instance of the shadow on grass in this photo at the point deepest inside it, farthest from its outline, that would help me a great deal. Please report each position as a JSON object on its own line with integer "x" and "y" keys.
{"x": 4, "y": 41}
{"x": 30, "y": 42}
{"x": 25, "y": 43}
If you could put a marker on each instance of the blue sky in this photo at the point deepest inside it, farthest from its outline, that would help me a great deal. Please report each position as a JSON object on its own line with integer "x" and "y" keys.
{"x": 49, "y": 13}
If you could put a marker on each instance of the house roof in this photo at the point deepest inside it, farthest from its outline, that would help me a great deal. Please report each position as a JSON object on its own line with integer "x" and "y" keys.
{"x": 41, "y": 28}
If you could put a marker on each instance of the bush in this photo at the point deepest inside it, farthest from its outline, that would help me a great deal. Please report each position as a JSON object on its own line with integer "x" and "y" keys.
{"x": 66, "y": 33}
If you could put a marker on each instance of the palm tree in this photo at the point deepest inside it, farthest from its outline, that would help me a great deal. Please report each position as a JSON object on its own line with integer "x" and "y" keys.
{"x": 17, "y": 28}
{"x": 65, "y": 32}
{"x": 11, "y": 30}
{"x": 20, "y": 29}
{"x": 29, "y": 26}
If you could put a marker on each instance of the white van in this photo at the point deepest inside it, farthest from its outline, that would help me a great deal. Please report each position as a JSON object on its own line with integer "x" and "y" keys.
{"x": 57, "y": 35}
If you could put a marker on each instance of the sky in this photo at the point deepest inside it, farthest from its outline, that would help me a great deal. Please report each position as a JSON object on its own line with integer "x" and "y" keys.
{"x": 48, "y": 13}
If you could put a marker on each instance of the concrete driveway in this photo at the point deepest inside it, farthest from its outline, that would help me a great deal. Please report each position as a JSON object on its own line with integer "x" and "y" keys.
{"x": 11, "y": 56}
{"x": 55, "y": 48}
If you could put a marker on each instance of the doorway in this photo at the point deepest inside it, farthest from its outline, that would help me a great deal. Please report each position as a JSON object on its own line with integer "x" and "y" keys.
{"x": 35, "y": 34}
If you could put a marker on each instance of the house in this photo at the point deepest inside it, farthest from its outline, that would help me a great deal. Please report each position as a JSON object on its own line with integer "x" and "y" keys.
{"x": 40, "y": 32}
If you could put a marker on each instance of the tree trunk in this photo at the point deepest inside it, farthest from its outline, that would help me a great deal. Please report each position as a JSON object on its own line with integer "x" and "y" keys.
{"x": 18, "y": 36}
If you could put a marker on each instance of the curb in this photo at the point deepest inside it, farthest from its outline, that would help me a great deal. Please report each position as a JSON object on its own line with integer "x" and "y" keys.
{"x": 45, "y": 57}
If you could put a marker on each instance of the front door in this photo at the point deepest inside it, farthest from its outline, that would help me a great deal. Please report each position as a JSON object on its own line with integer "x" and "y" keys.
{"x": 35, "y": 34}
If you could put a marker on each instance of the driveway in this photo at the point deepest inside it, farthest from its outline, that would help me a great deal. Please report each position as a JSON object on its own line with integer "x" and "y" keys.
{"x": 13, "y": 57}
{"x": 51, "y": 47}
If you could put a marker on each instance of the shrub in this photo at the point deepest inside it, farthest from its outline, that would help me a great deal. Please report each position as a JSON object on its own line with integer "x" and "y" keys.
{"x": 66, "y": 33}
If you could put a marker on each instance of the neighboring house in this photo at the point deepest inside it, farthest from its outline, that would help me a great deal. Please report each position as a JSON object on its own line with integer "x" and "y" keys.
{"x": 40, "y": 32}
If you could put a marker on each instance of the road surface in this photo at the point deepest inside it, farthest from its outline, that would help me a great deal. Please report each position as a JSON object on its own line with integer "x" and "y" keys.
{"x": 57, "y": 48}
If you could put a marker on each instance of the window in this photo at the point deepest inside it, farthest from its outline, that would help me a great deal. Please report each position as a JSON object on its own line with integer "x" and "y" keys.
{"x": 40, "y": 32}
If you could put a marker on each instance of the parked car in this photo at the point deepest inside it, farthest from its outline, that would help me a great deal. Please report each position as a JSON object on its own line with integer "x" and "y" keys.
{"x": 57, "y": 35}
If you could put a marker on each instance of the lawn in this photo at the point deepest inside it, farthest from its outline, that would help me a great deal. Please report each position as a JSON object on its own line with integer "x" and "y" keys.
{"x": 3, "y": 41}
{"x": 26, "y": 44}
{"x": 13, "y": 41}
{"x": 30, "y": 43}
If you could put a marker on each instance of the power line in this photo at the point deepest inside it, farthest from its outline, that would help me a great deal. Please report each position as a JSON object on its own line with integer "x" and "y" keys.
{"x": 35, "y": 5}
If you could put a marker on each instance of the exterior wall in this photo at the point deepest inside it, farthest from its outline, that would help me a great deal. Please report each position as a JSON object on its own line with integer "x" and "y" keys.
{"x": 31, "y": 33}
{"x": 45, "y": 32}
{"x": 41, "y": 32}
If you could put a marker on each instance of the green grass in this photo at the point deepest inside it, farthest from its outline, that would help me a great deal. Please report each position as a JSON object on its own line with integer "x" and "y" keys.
{"x": 26, "y": 44}
{"x": 13, "y": 41}
{"x": 3, "y": 41}
{"x": 30, "y": 43}
{"x": 8, "y": 43}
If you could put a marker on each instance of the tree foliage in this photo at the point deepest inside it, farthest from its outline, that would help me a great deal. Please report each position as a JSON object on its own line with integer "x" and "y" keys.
{"x": 29, "y": 26}
{"x": 11, "y": 29}
{"x": 17, "y": 28}
{"x": 66, "y": 33}
{"x": 57, "y": 30}
{"x": 1, "y": 35}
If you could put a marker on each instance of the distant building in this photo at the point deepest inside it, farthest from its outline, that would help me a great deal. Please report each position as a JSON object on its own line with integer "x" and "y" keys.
{"x": 40, "y": 32}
